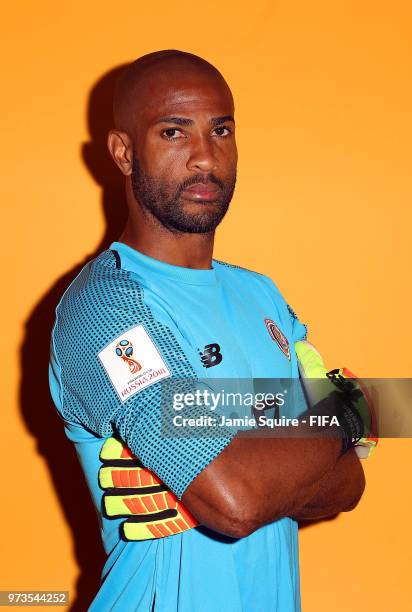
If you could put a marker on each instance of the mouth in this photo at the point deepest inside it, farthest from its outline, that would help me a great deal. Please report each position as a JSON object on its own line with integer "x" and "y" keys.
{"x": 201, "y": 192}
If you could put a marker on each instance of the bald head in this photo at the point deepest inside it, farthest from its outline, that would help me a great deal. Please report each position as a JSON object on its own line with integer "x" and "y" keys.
{"x": 151, "y": 79}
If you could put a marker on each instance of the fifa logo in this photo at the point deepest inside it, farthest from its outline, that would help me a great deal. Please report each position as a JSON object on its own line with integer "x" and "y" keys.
{"x": 124, "y": 350}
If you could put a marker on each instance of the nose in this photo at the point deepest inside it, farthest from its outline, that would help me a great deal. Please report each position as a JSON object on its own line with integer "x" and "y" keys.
{"x": 202, "y": 156}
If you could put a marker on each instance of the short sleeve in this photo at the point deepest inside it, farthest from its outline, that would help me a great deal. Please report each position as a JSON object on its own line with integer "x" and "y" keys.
{"x": 299, "y": 330}
{"x": 110, "y": 360}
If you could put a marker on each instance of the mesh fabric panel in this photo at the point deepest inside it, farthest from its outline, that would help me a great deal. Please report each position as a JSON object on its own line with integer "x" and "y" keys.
{"x": 302, "y": 332}
{"x": 235, "y": 266}
{"x": 102, "y": 303}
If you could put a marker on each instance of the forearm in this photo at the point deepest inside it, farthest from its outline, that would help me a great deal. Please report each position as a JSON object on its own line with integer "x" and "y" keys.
{"x": 257, "y": 481}
{"x": 338, "y": 491}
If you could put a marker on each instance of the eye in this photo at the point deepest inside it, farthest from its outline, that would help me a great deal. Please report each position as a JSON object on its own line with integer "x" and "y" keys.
{"x": 172, "y": 134}
{"x": 222, "y": 130}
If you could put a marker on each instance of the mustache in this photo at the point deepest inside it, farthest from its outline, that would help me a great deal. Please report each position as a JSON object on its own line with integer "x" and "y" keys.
{"x": 200, "y": 178}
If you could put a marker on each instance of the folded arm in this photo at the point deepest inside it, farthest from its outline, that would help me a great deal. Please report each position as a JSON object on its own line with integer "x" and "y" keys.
{"x": 339, "y": 490}
{"x": 255, "y": 481}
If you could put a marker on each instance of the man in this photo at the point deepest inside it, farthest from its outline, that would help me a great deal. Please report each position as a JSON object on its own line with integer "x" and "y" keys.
{"x": 207, "y": 522}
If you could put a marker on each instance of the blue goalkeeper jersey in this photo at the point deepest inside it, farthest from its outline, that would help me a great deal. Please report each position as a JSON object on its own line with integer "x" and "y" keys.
{"x": 124, "y": 326}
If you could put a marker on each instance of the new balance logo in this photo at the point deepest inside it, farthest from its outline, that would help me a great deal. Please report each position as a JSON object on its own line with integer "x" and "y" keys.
{"x": 211, "y": 355}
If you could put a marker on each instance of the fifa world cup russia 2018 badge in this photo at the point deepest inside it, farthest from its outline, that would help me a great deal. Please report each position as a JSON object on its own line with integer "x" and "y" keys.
{"x": 278, "y": 337}
{"x": 124, "y": 350}
{"x": 127, "y": 374}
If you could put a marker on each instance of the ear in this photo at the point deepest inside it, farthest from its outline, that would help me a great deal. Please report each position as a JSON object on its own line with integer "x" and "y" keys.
{"x": 121, "y": 149}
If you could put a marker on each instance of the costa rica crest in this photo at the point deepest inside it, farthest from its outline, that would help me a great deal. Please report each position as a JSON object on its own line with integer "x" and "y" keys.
{"x": 278, "y": 337}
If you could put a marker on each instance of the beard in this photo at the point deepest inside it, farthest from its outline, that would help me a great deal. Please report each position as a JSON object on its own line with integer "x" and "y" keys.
{"x": 163, "y": 200}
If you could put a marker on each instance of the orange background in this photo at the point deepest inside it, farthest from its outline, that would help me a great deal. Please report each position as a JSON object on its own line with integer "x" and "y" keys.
{"x": 323, "y": 205}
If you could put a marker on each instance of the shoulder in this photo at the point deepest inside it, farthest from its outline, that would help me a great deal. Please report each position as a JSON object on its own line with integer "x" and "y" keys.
{"x": 102, "y": 300}
{"x": 101, "y": 279}
{"x": 240, "y": 272}
{"x": 259, "y": 282}
{"x": 245, "y": 275}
